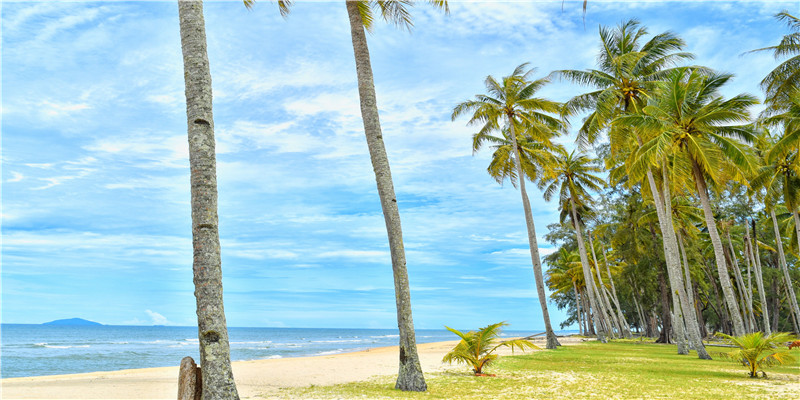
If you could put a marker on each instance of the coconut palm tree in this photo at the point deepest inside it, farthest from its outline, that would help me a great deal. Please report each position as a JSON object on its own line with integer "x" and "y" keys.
{"x": 511, "y": 109}
{"x": 215, "y": 358}
{"x": 628, "y": 75}
{"x": 565, "y": 274}
{"x": 361, "y": 14}
{"x": 689, "y": 121}
{"x": 572, "y": 176}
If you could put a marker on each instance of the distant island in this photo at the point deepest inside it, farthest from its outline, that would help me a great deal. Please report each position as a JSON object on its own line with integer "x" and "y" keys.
{"x": 73, "y": 322}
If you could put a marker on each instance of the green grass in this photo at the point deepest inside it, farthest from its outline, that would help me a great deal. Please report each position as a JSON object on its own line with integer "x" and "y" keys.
{"x": 621, "y": 370}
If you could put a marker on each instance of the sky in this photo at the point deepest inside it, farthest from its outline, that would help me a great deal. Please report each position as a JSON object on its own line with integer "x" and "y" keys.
{"x": 95, "y": 172}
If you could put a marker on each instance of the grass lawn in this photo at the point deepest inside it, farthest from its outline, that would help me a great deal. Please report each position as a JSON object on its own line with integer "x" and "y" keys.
{"x": 624, "y": 370}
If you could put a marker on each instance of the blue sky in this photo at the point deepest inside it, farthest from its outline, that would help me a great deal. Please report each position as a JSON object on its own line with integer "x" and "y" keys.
{"x": 95, "y": 186}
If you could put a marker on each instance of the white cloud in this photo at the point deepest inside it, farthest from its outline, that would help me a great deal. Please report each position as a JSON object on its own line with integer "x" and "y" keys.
{"x": 157, "y": 318}
{"x": 16, "y": 177}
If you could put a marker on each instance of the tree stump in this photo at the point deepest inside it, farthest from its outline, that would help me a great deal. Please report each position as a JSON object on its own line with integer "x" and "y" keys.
{"x": 190, "y": 380}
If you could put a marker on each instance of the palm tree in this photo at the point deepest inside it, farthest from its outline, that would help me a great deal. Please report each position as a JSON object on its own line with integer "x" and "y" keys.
{"x": 782, "y": 82}
{"x": 757, "y": 351}
{"x": 688, "y": 121}
{"x": 779, "y": 176}
{"x": 215, "y": 358}
{"x": 572, "y": 176}
{"x": 628, "y": 76}
{"x": 525, "y": 119}
{"x": 360, "y": 13}
{"x": 361, "y": 17}
{"x": 476, "y": 348}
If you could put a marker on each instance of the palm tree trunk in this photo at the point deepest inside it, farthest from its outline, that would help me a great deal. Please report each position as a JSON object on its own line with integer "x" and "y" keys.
{"x": 792, "y": 300}
{"x": 626, "y": 329}
{"x": 672, "y": 258}
{"x": 587, "y": 275}
{"x": 603, "y": 297}
{"x": 748, "y": 261}
{"x": 552, "y": 341}
{"x": 737, "y": 272}
{"x": 724, "y": 317}
{"x": 410, "y": 376}
{"x": 759, "y": 280}
{"x": 716, "y": 242}
{"x": 215, "y": 359}
{"x": 578, "y": 307}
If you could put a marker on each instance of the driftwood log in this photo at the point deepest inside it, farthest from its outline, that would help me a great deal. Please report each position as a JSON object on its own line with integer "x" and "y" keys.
{"x": 190, "y": 380}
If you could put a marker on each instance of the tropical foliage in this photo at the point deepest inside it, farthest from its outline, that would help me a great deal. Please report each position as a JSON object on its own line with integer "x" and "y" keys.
{"x": 476, "y": 348}
{"x": 756, "y": 351}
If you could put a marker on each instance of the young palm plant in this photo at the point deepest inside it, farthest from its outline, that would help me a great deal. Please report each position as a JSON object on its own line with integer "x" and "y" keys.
{"x": 757, "y": 351}
{"x": 525, "y": 122}
{"x": 477, "y": 348}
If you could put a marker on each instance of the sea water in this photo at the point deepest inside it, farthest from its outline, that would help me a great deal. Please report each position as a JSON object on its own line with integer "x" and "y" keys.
{"x": 33, "y": 350}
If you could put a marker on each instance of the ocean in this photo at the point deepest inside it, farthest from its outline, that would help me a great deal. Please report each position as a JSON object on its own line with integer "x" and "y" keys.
{"x": 34, "y": 350}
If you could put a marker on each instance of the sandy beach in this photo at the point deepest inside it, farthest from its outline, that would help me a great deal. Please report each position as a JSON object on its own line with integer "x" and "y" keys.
{"x": 254, "y": 379}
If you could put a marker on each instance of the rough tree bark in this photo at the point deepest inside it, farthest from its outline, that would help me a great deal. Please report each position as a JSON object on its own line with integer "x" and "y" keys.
{"x": 790, "y": 294}
{"x": 410, "y": 376}
{"x": 213, "y": 333}
{"x": 719, "y": 256}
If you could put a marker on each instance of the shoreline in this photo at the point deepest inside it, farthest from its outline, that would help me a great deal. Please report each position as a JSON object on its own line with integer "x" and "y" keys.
{"x": 254, "y": 379}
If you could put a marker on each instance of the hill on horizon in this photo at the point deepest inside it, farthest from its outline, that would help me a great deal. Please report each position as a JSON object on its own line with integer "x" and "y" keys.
{"x": 73, "y": 322}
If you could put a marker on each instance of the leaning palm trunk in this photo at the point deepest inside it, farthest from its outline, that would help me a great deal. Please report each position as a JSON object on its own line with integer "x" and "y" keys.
{"x": 737, "y": 272}
{"x": 552, "y": 341}
{"x": 217, "y": 379}
{"x": 792, "y": 300}
{"x": 587, "y": 276}
{"x": 716, "y": 242}
{"x": 625, "y": 326}
{"x": 410, "y": 376}
{"x": 610, "y": 315}
{"x": 663, "y": 201}
{"x": 759, "y": 279}
{"x": 578, "y": 308}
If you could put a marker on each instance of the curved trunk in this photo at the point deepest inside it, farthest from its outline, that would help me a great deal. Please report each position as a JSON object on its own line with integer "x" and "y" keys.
{"x": 759, "y": 281}
{"x": 626, "y": 329}
{"x": 552, "y": 341}
{"x": 792, "y": 299}
{"x": 410, "y": 376}
{"x": 719, "y": 256}
{"x": 681, "y": 302}
{"x": 578, "y": 308}
{"x": 737, "y": 272}
{"x": 587, "y": 276}
{"x": 215, "y": 359}
{"x": 610, "y": 315}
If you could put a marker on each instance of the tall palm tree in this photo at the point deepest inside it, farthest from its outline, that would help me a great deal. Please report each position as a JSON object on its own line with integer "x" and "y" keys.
{"x": 511, "y": 109}
{"x": 780, "y": 177}
{"x": 688, "y": 122}
{"x": 628, "y": 75}
{"x": 215, "y": 358}
{"x": 573, "y": 176}
{"x": 361, "y": 14}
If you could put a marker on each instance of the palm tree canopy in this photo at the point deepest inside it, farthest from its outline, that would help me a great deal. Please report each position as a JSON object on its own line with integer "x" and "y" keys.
{"x": 572, "y": 176}
{"x": 510, "y": 105}
{"x": 783, "y": 81}
{"x": 691, "y": 120}
{"x": 626, "y": 74}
